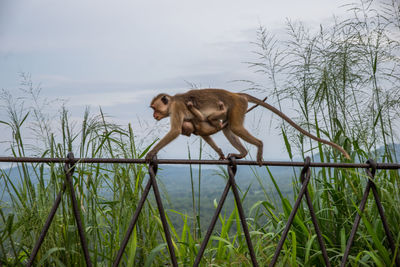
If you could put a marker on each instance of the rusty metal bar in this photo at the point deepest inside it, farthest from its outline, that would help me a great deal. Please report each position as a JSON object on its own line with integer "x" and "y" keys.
{"x": 304, "y": 178}
{"x": 304, "y": 172}
{"x": 384, "y": 222}
{"x": 212, "y": 225}
{"x": 231, "y": 183}
{"x": 317, "y": 230}
{"x": 370, "y": 184}
{"x": 46, "y": 226}
{"x": 153, "y": 167}
{"x": 132, "y": 224}
{"x": 69, "y": 170}
{"x": 206, "y": 162}
{"x": 75, "y": 209}
{"x": 356, "y": 222}
{"x": 232, "y": 171}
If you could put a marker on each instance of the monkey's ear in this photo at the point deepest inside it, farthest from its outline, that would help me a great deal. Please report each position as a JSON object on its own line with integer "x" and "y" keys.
{"x": 164, "y": 99}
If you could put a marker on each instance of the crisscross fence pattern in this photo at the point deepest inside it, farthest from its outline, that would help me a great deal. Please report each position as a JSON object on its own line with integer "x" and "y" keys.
{"x": 69, "y": 165}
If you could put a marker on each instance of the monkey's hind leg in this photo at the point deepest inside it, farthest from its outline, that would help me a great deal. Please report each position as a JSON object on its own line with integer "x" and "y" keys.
{"x": 235, "y": 141}
{"x": 246, "y": 136}
{"x": 236, "y": 121}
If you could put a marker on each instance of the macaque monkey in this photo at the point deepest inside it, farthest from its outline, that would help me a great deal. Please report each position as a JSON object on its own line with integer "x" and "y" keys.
{"x": 207, "y": 101}
{"x": 208, "y": 124}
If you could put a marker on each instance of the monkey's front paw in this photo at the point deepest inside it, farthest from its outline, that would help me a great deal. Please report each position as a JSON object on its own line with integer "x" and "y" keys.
{"x": 222, "y": 157}
{"x": 260, "y": 161}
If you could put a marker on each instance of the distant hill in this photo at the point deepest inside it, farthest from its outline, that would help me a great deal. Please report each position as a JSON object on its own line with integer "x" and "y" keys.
{"x": 177, "y": 179}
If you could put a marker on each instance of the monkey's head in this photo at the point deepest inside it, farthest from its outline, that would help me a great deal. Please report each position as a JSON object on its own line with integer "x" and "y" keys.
{"x": 160, "y": 106}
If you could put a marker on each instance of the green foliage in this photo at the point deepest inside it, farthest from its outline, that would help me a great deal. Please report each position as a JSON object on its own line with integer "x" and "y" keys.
{"x": 344, "y": 82}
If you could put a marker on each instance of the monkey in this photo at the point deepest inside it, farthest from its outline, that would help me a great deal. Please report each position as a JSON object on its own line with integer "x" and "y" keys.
{"x": 213, "y": 120}
{"x": 200, "y": 125}
{"x": 188, "y": 128}
{"x": 207, "y": 126}
{"x": 183, "y": 121}
{"x": 206, "y": 102}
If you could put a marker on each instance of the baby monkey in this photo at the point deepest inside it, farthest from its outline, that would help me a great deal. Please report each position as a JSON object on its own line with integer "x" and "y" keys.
{"x": 210, "y": 124}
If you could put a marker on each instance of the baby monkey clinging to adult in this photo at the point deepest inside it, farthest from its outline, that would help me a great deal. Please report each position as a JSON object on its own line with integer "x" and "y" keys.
{"x": 207, "y": 102}
{"x": 209, "y": 124}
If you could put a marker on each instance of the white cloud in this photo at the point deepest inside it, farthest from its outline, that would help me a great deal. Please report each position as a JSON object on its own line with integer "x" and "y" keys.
{"x": 107, "y": 99}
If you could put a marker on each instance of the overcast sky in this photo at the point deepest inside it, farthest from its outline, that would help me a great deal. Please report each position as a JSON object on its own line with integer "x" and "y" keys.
{"x": 119, "y": 54}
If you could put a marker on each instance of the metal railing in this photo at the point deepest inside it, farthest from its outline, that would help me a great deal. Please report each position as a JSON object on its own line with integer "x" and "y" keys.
{"x": 69, "y": 166}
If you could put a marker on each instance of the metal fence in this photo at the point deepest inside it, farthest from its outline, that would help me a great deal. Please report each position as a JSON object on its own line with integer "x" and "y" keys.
{"x": 70, "y": 162}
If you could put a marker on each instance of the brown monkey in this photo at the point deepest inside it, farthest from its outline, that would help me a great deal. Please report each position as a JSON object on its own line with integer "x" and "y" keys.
{"x": 214, "y": 120}
{"x": 200, "y": 125}
{"x": 205, "y": 100}
{"x": 183, "y": 121}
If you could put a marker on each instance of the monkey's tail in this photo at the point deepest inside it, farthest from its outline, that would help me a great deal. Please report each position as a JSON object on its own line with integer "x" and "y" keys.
{"x": 297, "y": 127}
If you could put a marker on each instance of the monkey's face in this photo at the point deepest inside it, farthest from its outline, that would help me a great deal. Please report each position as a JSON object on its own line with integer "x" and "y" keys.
{"x": 160, "y": 106}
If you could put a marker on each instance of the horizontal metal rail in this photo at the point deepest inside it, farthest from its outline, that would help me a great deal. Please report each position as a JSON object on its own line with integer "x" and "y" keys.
{"x": 383, "y": 166}
{"x": 70, "y": 163}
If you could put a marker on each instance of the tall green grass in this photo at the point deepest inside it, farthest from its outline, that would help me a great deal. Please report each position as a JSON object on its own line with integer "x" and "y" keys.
{"x": 343, "y": 81}
{"x": 107, "y": 193}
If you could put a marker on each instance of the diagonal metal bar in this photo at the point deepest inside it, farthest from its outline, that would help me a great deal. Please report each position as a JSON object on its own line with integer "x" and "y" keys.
{"x": 315, "y": 222}
{"x": 304, "y": 172}
{"x": 68, "y": 177}
{"x": 317, "y": 230}
{"x": 356, "y": 224}
{"x": 46, "y": 226}
{"x": 381, "y": 212}
{"x": 232, "y": 171}
{"x": 370, "y": 183}
{"x": 132, "y": 224}
{"x": 212, "y": 225}
{"x": 152, "y": 171}
{"x": 385, "y": 224}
